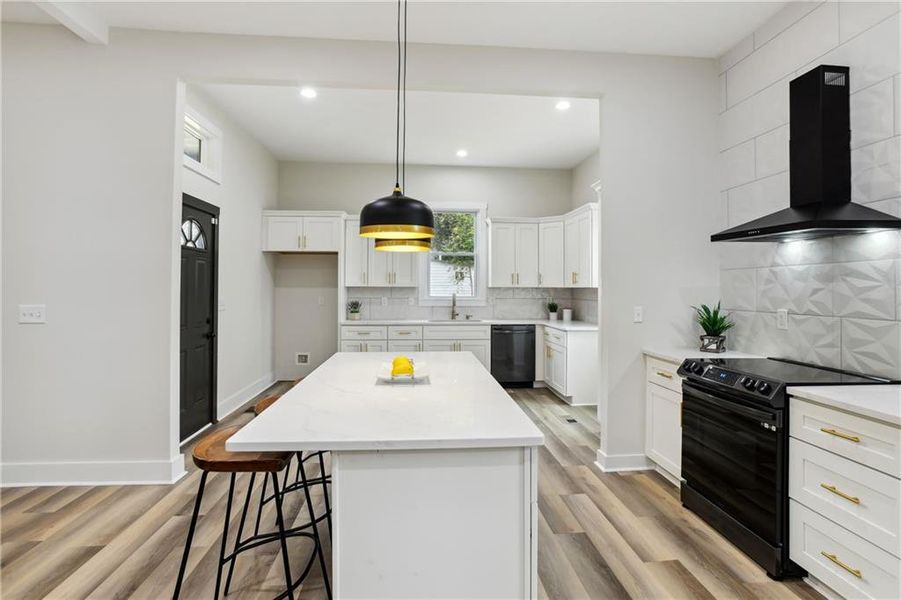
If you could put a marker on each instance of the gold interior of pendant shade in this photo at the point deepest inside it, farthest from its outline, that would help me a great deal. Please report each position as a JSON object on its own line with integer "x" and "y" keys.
{"x": 397, "y": 232}
{"x": 403, "y": 245}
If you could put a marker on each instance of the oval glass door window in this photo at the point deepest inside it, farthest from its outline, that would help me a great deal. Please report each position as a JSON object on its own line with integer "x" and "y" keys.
{"x": 192, "y": 235}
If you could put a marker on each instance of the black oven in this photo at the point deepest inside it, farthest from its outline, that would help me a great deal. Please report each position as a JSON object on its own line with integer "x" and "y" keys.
{"x": 734, "y": 469}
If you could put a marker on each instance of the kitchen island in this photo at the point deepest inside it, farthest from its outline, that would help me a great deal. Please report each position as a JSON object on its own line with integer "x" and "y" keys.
{"x": 434, "y": 485}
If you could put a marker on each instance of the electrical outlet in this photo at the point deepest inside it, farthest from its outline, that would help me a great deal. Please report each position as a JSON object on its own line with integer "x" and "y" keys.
{"x": 781, "y": 319}
{"x": 302, "y": 358}
{"x": 384, "y": 300}
{"x": 35, "y": 314}
{"x": 637, "y": 314}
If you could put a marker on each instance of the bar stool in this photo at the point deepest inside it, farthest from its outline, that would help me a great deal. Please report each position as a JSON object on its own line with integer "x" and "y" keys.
{"x": 210, "y": 456}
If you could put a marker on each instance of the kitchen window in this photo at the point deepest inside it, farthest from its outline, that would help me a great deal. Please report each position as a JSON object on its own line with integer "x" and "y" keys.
{"x": 455, "y": 264}
{"x": 202, "y": 149}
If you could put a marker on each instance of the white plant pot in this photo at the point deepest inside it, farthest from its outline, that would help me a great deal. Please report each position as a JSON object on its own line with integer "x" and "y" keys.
{"x": 353, "y": 316}
{"x": 567, "y": 314}
{"x": 552, "y": 316}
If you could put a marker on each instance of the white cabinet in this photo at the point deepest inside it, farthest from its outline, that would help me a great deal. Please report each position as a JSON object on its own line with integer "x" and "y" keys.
{"x": 459, "y": 338}
{"x": 568, "y": 365}
{"x": 663, "y": 416}
{"x": 580, "y": 250}
{"x": 480, "y": 348}
{"x": 439, "y": 346}
{"x": 301, "y": 231}
{"x": 514, "y": 254}
{"x": 365, "y": 267}
{"x": 550, "y": 254}
{"x": 555, "y": 367}
{"x": 398, "y": 346}
{"x": 368, "y": 346}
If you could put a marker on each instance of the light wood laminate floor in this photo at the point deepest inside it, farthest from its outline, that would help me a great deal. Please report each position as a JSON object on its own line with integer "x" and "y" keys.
{"x": 600, "y": 535}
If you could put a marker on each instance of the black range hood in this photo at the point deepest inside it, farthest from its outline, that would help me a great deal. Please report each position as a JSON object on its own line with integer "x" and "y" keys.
{"x": 820, "y": 168}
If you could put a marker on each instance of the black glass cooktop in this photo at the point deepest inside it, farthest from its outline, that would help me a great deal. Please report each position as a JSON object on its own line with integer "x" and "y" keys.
{"x": 789, "y": 372}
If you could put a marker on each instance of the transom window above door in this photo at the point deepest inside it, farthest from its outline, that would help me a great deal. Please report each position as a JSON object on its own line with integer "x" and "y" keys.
{"x": 192, "y": 235}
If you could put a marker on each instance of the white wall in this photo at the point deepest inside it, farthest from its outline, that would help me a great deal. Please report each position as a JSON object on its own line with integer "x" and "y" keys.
{"x": 842, "y": 293}
{"x": 94, "y": 131}
{"x": 249, "y": 185}
{"x": 584, "y": 175}
{"x": 508, "y": 192}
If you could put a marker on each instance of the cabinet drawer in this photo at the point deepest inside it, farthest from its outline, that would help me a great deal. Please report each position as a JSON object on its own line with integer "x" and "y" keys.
{"x": 875, "y": 444}
{"x": 555, "y": 337}
{"x": 363, "y": 332}
{"x": 850, "y": 565}
{"x": 456, "y": 332}
{"x": 400, "y": 332}
{"x": 664, "y": 374}
{"x": 860, "y": 499}
{"x": 404, "y": 346}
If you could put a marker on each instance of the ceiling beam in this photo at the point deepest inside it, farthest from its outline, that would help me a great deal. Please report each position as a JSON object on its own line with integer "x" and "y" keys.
{"x": 78, "y": 19}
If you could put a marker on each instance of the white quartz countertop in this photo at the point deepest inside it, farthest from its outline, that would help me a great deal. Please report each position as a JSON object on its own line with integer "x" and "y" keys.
{"x": 880, "y": 402}
{"x": 560, "y": 325}
{"x": 342, "y": 406}
{"x": 676, "y": 354}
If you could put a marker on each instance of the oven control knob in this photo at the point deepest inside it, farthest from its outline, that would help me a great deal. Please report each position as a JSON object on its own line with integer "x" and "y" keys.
{"x": 748, "y": 382}
{"x": 692, "y": 367}
{"x": 763, "y": 387}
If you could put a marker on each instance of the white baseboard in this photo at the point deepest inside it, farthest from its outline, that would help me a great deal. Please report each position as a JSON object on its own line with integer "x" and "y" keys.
{"x": 826, "y": 591}
{"x": 137, "y": 472}
{"x": 615, "y": 463}
{"x": 237, "y": 400}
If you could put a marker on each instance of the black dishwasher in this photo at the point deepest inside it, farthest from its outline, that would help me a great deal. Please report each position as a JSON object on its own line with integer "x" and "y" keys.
{"x": 513, "y": 354}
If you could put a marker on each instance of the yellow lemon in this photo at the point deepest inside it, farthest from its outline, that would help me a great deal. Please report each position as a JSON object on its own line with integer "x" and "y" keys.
{"x": 401, "y": 365}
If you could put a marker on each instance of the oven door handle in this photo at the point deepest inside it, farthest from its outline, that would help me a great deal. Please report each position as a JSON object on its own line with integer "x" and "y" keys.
{"x": 762, "y": 416}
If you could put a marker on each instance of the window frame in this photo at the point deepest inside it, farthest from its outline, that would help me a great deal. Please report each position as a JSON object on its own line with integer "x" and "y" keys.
{"x": 480, "y": 252}
{"x": 210, "y": 163}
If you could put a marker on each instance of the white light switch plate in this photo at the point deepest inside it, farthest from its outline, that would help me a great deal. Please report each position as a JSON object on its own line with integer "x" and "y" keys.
{"x": 637, "y": 314}
{"x": 33, "y": 313}
{"x": 781, "y": 319}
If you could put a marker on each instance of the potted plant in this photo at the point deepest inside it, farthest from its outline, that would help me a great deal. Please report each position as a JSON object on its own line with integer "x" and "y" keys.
{"x": 552, "y": 309}
{"x": 715, "y": 323}
{"x": 353, "y": 310}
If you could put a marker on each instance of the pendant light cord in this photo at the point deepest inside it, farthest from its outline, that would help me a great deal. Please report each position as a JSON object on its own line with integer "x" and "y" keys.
{"x": 397, "y": 115}
{"x": 403, "y": 154}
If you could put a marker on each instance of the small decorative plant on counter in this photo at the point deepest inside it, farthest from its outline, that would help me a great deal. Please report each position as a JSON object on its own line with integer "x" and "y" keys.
{"x": 353, "y": 310}
{"x": 552, "y": 309}
{"x": 715, "y": 323}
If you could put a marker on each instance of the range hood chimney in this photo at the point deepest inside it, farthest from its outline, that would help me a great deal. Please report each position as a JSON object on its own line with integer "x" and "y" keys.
{"x": 820, "y": 168}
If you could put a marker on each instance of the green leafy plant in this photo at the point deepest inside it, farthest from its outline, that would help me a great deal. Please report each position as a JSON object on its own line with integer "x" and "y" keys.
{"x": 354, "y": 306}
{"x": 552, "y": 305}
{"x": 712, "y": 320}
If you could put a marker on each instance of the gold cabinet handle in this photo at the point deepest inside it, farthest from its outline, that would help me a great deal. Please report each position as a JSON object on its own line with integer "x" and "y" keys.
{"x": 834, "y": 558}
{"x": 512, "y": 279}
{"x": 844, "y": 436}
{"x": 404, "y": 332}
{"x": 305, "y": 241}
{"x": 300, "y": 242}
{"x": 840, "y": 493}
{"x": 665, "y": 374}
{"x": 539, "y": 279}
{"x": 363, "y": 332}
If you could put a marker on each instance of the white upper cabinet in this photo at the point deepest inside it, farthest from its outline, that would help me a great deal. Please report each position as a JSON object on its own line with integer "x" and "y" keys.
{"x": 404, "y": 268}
{"x": 545, "y": 252}
{"x": 301, "y": 231}
{"x": 356, "y": 255}
{"x": 364, "y": 267}
{"x": 550, "y": 254}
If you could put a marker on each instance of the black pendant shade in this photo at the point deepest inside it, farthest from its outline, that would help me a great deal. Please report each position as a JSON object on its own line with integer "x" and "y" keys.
{"x": 397, "y": 217}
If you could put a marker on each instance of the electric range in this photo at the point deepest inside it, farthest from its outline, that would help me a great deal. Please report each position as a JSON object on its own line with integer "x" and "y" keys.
{"x": 735, "y": 448}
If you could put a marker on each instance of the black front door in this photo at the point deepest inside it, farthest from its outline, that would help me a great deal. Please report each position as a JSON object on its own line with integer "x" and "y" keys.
{"x": 198, "y": 314}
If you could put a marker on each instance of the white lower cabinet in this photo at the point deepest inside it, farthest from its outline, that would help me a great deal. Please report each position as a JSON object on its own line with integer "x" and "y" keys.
{"x": 459, "y": 338}
{"x": 480, "y": 348}
{"x": 411, "y": 346}
{"x": 569, "y": 364}
{"x": 845, "y": 509}
{"x": 663, "y": 416}
{"x": 368, "y": 346}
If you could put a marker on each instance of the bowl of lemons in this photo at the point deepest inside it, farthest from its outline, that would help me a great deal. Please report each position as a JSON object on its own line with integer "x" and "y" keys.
{"x": 403, "y": 369}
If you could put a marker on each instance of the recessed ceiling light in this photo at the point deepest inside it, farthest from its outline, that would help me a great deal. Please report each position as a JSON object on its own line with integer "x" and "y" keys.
{"x": 562, "y": 105}
{"x": 308, "y": 92}
{"x": 462, "y": 153}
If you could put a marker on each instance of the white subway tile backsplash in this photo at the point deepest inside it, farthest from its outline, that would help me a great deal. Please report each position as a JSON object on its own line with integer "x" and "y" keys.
{"x": 738, "y": 289}
{"x": 762, "y": 112}
{"x": 742, "y": 255}
{"x": 758, "y": 198}
{"x": 801, "y": 289}
{"x": 771, "y": 152}
{"x": 785, "y": 18}
{"x": 872, "y": 114}
{"x": 738, "y": 52}
{"x": 872, "y": 347}
{"x": 738, "y": 165}
{"x": 865, "y": 290}
{"x": 880, "y": 245}
{"x": 813, "y": 35}
{"x": 876, "y": 171}
{"x": 856, "y": 17}
{"x": 804, "y": 252}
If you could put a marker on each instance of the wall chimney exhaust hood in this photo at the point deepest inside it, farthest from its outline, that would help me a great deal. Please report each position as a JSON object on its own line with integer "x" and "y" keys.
{"x": 819, "y": 168}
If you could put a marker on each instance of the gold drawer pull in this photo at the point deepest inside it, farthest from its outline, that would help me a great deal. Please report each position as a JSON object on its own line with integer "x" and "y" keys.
{"x": 665, "y": 374}
{"x": 844, "y": 436}
{"x": 834, "y": 558}
{"x": 404, "y": 332}
{"x": 838, "y": 492}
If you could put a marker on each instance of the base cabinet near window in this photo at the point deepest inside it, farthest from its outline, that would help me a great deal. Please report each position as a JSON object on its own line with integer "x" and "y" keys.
{"x": 418, "y": 338}
{"x": 663, "y": 417}
{"x": 302, "y": 231}
{"x": 567, "y": 363}
{"x": 459, "y": 338}
{"x": 845, "y": 499}
{"x": 364, "y": 267}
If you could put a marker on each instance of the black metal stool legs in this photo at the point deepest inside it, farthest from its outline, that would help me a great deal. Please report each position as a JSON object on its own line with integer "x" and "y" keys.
{"x": 312, "y": 513}
{"x": 231, "y": 566}
{"x": 228, "y": 513}
{"x": 281, "y": 532}
{"x": 184, "y": 558}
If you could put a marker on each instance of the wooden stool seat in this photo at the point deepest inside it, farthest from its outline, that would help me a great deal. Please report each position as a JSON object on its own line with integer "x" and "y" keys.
{"x": 264, "y": 404}
{"x": 210, "y": 455}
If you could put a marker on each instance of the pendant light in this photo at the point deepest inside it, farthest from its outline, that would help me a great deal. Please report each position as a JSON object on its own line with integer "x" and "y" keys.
{"x": 398, "y": 222}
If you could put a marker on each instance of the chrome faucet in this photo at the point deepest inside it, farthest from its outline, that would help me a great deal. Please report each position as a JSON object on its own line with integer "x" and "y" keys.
{"x": 454, "y": 313}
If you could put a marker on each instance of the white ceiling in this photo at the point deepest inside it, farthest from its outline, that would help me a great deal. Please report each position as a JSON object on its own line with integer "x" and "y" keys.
{"x": 702, "y": 29}
{"x": 352, "y": 125}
